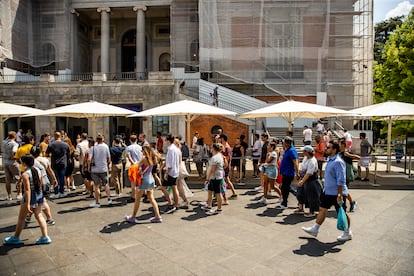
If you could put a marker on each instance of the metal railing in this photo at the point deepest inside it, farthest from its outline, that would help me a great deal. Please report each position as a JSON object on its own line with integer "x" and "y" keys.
{"x": 89, "y": 76}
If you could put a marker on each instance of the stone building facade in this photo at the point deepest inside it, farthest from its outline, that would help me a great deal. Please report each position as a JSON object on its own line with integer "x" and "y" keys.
{"x": 137, "y": 54}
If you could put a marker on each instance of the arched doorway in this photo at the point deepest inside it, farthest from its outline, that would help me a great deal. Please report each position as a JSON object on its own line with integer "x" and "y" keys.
{"x": 164, "y": 62}
{"x": 128, "y": 51}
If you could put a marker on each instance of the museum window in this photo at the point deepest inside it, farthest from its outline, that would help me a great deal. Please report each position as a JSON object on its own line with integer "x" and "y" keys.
{"x": 161, "y": 124}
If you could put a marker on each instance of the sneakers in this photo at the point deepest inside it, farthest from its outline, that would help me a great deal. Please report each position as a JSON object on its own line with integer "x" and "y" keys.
{"x": 59, "y": 195}
{"x": 54, "y": 196}
{"x": 346, "y": 236}
{"x": 310, "y": 230}
{"x": 171, "y": 209}
{"x": 109, "y": 201}
{"x": 281, "y": 207}
{"x": 50, "y": 222}
{"x": 129, "y": 219}
{"x": 352, "y": 206}
{"x": 213, "y": 212}
{"x": 258, "y": 188}
{"x": 156, "y": 220}
{"x": 233, "y": 197}
{"x": 43, "y": 240}
{"x": 27, "y": 219}
{"x": 73, "y": 187}
{"x": 263, "y": 200}
{"x": 95, "y": 205}
{"x": 82, "y": 186}
{"x": 19, "y": 197}
{"x": 12, "y": 240}
{"x": 7, "y": 198}
{"x": 184, "y": 205}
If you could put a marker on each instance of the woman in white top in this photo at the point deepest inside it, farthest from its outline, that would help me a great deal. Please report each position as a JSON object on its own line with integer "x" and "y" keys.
{"x": 215, "y": 179}
{"x": 270, "y": 172}
{"x": 309, "y": 187}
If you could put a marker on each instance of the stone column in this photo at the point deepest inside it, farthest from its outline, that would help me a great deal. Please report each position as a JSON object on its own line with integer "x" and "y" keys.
{"x": 104, "y": 39}
{"x": 140, "y": 42}
{"x": 74, "y": 64}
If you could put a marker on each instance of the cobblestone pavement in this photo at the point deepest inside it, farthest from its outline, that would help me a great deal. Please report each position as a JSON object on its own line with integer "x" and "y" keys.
{"x": 246, "y": 239}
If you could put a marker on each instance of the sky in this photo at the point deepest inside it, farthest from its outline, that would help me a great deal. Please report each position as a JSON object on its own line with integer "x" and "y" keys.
{"x": 385, "y": 9}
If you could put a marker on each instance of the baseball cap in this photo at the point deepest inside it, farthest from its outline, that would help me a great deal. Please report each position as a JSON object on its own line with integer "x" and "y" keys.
{"x": 308, "y": 148}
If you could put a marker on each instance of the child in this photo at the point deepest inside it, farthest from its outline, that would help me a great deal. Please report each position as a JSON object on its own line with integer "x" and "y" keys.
{"x": 31, "y": 203}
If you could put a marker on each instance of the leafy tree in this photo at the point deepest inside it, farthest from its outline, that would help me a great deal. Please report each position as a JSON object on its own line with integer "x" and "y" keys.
{"x": 383, "y": 30}
{"x": 393, "y": 74}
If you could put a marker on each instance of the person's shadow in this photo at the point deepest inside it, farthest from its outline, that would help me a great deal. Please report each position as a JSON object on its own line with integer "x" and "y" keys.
{"x": 315, "y": 248}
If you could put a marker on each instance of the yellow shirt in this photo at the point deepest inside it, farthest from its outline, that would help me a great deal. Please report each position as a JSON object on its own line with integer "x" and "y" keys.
{"x": 21, "y": 151}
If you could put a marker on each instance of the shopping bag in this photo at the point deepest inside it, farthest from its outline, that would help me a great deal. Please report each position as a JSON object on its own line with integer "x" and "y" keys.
{"x": 342, "y": 222}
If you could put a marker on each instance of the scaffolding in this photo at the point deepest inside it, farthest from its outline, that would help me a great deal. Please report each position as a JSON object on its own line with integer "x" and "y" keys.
{"x": 320, "y": 48}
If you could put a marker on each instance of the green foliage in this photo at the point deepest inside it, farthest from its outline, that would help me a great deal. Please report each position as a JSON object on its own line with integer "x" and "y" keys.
{"x": 383, "y": 30}
{"x": 393, "y": 71}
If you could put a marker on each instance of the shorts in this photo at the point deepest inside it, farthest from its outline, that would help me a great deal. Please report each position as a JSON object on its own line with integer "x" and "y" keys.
{"x": 12, "y": 172}
{"x": 235, "y": 162}
{"x": 271, "y": 171}
{"x": 364, "y": 161}
{"x": 85, "y": 173}
{"x": 147, "y": 183}
{"x": 100, "y": 177}
{"x": 226, "y": 172}
{"x": 328, "y": 200}
{"x": 171, "y": 181}
{"x": 35, "y": 199}
{"x": 255, "y": 159}
{"x": 320, "y": 164}
{"x": 216, "y": 185}
{"x": 154, "y": 169}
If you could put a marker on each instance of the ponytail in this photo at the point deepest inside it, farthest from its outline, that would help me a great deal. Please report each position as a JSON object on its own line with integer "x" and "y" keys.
{"x": 36, "y": 180}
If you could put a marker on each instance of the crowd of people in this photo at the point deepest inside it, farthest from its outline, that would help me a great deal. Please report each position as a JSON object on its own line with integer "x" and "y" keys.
{"x": 49, "y": 166}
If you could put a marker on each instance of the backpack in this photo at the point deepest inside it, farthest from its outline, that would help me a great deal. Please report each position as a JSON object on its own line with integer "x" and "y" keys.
{"x": 185, "y": 151}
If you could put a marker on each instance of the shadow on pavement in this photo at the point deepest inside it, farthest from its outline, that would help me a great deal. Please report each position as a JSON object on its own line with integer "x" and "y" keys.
{"x": 270, "y": 212}
{"x": 315, "y": 248}
{"x": 293, "y": 219}
{"x": 116, "y": 227}
{"x": 198, "y": 213}
{"x": 73, "y": 210}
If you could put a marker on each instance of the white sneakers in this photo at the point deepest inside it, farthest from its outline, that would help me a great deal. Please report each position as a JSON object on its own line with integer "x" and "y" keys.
{"x": 263, "y": 200}
{"x": 310, "y": 230}
{"x": 346, "y": 236}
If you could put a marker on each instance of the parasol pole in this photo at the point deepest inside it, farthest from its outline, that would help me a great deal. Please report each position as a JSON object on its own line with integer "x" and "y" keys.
{"x": 389, "y": 144}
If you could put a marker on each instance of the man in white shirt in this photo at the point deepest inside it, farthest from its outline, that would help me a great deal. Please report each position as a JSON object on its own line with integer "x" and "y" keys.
{"x": 172, "y": 165}
{"x": 307, "y": 135}
{"x": 100, "y": 158}
{"x": 195, "y": 139}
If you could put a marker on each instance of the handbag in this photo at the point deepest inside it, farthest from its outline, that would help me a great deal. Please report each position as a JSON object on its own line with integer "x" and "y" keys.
{"x": 342, "y": 222}
{"x": 182, "y": 170}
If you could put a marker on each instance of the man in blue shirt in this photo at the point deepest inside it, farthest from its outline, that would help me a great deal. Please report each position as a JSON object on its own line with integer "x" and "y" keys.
{"x": 335, "y": 192}
{"x": 289, "y": 168}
